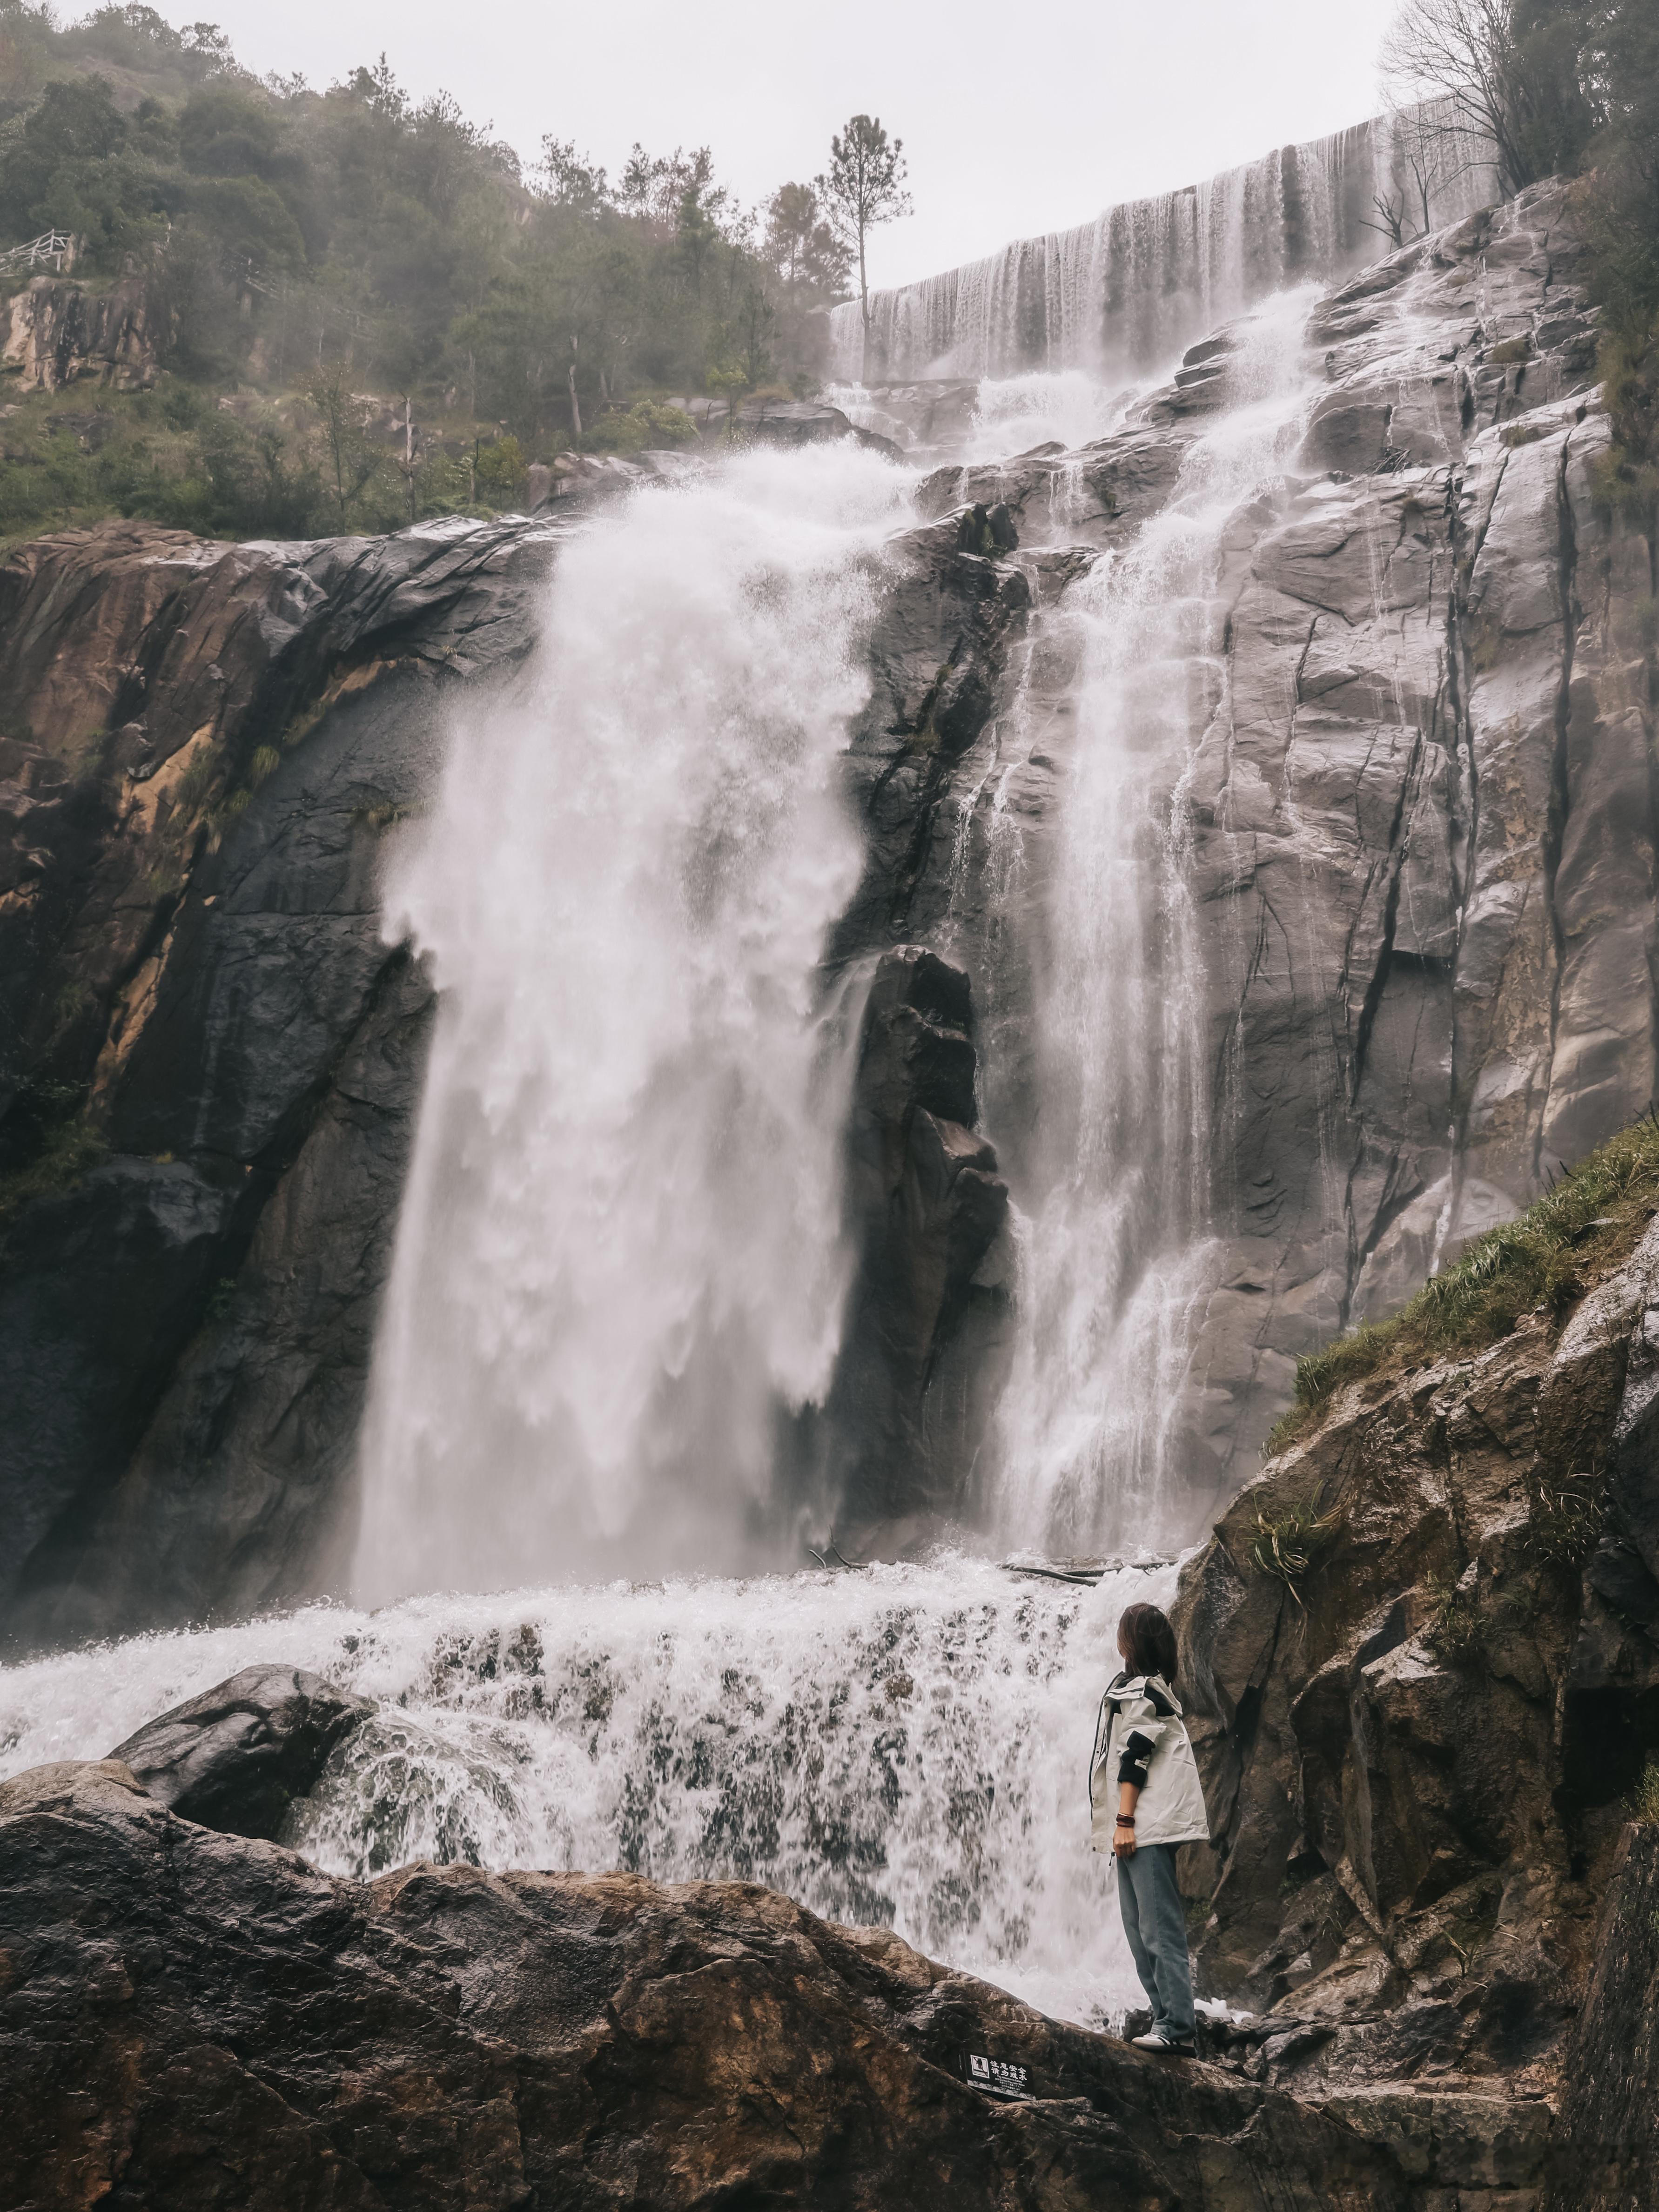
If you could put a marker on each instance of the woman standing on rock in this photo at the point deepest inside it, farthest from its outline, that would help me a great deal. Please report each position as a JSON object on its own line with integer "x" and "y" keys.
{"x": 1143, "y": 1758}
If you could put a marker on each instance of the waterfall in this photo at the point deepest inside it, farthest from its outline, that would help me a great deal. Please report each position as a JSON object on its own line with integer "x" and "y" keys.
{"x": 905, "y": 1746}
{"x": 619, "y": 1262}
{"x": 1127, "y": 291}
{"x": 1116, "y": 1190}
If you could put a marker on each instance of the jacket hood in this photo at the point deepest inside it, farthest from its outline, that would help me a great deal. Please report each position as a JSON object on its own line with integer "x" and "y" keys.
{"x": 1126, "y": 1683}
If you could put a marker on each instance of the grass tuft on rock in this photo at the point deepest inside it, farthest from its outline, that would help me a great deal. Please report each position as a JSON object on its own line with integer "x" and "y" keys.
{"x": 1645, "y": 1798}
{"x": 1546, "y": 1258}
{"x": 1292, "y": 1547}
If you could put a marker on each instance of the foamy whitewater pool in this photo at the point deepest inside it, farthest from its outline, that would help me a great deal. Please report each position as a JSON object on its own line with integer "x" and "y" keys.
{"x": 900, "y": 1745}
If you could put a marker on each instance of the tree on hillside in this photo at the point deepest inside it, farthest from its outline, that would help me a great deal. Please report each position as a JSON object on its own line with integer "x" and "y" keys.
{"x": 1507, "y": 70}
{"x": 801, "y": 244}
{"x": 864, "y": 186}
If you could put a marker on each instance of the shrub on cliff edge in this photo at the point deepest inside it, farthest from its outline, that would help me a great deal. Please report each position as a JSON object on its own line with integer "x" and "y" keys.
{"x": 1545, "y": 1258}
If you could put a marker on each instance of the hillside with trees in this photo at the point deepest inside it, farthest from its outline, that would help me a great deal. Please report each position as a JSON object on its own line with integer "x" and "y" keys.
{"x": 363, "y": 306}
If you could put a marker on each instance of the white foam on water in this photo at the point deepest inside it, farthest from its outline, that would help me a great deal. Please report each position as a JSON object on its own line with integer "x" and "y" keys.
{"x": 901, "y": 1746}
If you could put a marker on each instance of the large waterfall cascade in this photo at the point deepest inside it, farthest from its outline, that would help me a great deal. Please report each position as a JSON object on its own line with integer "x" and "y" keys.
{"x": 620, "y": 1252}
{"x": 1120, "y": 295}
{"x": 620, "y": 1266}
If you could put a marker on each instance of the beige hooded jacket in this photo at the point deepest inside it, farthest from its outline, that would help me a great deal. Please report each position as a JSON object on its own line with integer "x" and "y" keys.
{"x": 1140, "y": 1737}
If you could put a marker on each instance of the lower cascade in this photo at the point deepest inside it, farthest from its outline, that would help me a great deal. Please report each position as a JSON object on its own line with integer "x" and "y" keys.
{"x": 903, "y": 1747}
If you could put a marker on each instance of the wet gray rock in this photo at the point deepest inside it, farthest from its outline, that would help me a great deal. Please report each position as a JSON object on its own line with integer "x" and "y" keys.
{"x": 236, "y": 1757}
{"x": 195, "y": 2019}
{"x": 919, "y": 1366}
{"x": 191, "y": 956}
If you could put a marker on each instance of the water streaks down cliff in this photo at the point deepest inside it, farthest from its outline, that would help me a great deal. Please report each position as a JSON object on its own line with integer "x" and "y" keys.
{"x": 620, "y": 1259}
{"x": 1129, "y": 290}
{"x": 1116, "y": 1250}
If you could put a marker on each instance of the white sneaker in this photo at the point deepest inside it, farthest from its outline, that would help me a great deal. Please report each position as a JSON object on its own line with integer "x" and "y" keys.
{"x": 1160, "y": 2038}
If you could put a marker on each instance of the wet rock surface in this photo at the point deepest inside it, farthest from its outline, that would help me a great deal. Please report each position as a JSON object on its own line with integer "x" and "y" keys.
{"x": 1418, "y": 1761}
{"x": 236, "y": 1757}
{"x": 1420, "y": 816}
{"x": 1608, "y": 2152}
{"x": 919, "y": 1371}
{"x": 190, "y": 2019}
{"x": 206, "y": 747}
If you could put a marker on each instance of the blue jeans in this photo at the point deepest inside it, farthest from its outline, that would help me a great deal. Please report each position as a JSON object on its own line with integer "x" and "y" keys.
{"x": 1157, "y": 1929}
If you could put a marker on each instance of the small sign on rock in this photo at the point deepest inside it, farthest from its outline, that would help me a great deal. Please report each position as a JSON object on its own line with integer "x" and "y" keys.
{"x": 997, "y": 2077}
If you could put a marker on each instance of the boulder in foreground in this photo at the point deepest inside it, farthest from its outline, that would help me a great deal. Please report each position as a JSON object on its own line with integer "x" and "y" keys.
{"x": 195, "y": 2019}
{"x": 236, "y": 1757}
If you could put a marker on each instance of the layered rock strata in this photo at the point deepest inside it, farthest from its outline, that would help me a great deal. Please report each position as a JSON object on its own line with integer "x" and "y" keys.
{"x": 190, "y": 2019}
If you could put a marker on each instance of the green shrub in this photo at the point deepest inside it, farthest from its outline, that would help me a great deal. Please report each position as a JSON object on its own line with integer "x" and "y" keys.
{"x": 1295, "y": 1546}
{"x": 644, "y": 424}
{"x": 1565, "y": 1524}
{"x": 1541, "y": 1261}
{"x": 1453, "y": 1631}
{"x": 1645, "y": 1798}
{"x": 69, "y": 1151}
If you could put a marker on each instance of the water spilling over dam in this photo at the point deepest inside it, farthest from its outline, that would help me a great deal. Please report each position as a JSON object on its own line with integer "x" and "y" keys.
{"x": 1123, "y": 293}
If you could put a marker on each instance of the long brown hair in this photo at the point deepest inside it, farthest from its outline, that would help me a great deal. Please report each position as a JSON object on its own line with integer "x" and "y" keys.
{"x": 1150, "y": 1642}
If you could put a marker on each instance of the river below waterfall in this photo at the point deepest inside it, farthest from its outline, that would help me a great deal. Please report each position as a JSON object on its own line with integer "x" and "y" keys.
{"x": 903, "y": 1745}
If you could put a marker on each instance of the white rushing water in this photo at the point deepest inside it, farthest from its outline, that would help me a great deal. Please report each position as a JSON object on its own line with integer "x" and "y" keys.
{"x": 619, "y": 1262}
{"x": 619, "y": 1269}
{"x": 1115, "y": 1259}
{"x": 1126, "y": 291}
{"x": 901, "y": 1746}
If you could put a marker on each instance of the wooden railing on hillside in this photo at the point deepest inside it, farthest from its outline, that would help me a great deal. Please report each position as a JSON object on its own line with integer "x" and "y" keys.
{"x": 53, "y": 246}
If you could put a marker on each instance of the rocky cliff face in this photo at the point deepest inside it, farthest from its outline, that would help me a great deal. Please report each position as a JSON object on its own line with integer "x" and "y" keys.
{"x": 1418, "y": 1756}
{"x": 1421, "y": 831}
{"x": 204, "y": 749}
{"x": 55, "y": 332}
{"x": 1421, "y": 817}
{"x": 191, "y": 2019}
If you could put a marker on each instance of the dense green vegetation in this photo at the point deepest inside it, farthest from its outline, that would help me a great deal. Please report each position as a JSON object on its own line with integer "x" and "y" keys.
{"x": 1545, "y": 1258}
{"x": 311, "y": 252}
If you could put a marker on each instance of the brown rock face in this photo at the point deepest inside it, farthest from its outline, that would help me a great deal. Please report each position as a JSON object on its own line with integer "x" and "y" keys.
{"x": 55, "y": 333}
{"x": 189, "y": 2020}
{"x": 1416, "y": 1760}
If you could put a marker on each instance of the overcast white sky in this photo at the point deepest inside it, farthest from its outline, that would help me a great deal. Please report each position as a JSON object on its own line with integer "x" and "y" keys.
{"x": 1015, "y": 118}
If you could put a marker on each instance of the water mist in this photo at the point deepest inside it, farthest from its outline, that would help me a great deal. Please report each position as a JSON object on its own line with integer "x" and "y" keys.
{"x": 619, "y": 1262}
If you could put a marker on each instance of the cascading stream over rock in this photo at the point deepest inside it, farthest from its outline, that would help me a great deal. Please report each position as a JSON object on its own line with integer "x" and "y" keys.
{"x": 620, "y": 1263}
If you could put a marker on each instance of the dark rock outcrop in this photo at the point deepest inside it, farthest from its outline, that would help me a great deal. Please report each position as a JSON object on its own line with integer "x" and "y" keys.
{"x": 1416, "y": 1761}
{"x": 918, "y": 1374}
{"x": 190, "y": 2020}
{"x": 1607, "y": 2158}
{"x": 204, "y": 749}
{"x": 236, "y": 1757}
